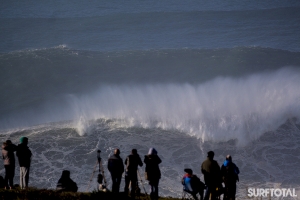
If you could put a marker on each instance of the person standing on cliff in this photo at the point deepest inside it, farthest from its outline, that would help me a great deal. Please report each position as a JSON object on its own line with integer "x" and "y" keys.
{"x": 229, "y": 173}
{"x": 131, "y": 164}
{"x": 152, "y": 172}
{"x": 24, "y": 156}
{"x": 211, "y": 171}
{"x": 8, "y": 149}
{"x": 116, "y": 168}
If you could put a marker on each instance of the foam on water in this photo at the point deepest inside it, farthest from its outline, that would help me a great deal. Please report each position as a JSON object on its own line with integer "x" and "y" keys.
{"x": 269, "y": 161}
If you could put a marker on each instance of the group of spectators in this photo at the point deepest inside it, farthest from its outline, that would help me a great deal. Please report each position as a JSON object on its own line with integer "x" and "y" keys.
{"x": 65, "y": 183}
{"x": 214, "y": 175}
{"x": 132, "y": 161}
{"x": 24, "y": 157}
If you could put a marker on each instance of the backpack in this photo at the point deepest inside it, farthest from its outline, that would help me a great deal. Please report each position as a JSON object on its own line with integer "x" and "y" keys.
{"x": 197, "y": 184}
{"x": 230, "y": 172}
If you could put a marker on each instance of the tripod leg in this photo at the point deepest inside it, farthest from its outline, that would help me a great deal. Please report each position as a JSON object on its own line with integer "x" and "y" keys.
{"x": 102, "y": 171}
{"x": 92, "y": 176}
{"x": 142, "y": 183}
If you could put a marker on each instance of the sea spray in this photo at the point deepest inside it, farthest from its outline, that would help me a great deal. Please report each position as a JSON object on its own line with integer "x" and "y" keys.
{"x": 219, "y": 110}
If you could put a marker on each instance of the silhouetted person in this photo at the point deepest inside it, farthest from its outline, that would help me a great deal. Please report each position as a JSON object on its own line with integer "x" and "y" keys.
{"x": 211, "y": 171}
{"x": 8, "y": 156}
{"x": 24, "y": 156}
{"x": 192, "y": 184}
{"x": 65, "y": 183}
{"x": 229, "y": 173}
{"x": 131, "y": 164}
{"x": 116, "y": 168}
{"x": 152, "y": 172}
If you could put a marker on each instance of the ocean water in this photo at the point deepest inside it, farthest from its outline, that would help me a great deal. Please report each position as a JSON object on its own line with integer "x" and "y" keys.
{"x": 183, "y": 77}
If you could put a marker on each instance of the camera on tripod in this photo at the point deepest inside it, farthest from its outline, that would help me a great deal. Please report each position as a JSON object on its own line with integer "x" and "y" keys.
{"x": 101, "y": 177}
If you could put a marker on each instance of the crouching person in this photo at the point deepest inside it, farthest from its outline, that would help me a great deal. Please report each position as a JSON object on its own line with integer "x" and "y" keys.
{"x": 65, "y": 183}
{"x": 192, "y": 184}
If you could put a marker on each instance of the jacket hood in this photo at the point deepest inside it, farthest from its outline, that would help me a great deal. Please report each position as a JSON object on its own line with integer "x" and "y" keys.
{"x": 114, "y": 156}
{"x": 152, "y": 151}
{"x": 226, "y": 162}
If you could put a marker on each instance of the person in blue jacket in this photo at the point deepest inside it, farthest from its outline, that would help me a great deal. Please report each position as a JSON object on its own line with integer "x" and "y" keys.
{"x": 230, "y": 175}
{"x": 192, "y": 184}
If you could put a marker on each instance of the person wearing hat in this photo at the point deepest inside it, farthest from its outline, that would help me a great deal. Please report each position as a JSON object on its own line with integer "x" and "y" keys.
{"x": 192, "y": 184}
{"x": 229, "y": 173}
{"x": 211, "y": 171}
{"x": 24, "y": 156}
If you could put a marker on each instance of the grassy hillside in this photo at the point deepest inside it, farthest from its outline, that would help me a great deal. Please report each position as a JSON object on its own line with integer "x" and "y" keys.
{"x": 43, "y": 194}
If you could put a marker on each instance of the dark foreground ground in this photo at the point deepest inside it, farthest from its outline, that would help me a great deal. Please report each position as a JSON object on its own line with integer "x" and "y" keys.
{"x": 43, "y": 194}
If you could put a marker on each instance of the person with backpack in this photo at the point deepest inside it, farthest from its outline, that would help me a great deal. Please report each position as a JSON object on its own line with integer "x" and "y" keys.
{"x": 229, "y": 174}
{"x": 131, "y": 164}
{"x": 192, "y": 184}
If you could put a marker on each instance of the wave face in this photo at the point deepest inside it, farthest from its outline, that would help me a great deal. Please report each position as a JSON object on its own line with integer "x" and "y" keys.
{"x": 211, "y": 94}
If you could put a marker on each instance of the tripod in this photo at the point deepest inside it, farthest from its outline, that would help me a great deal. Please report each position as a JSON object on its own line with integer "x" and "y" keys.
{"x": 101, "y": 169}
{"x": 142, "y": 183}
